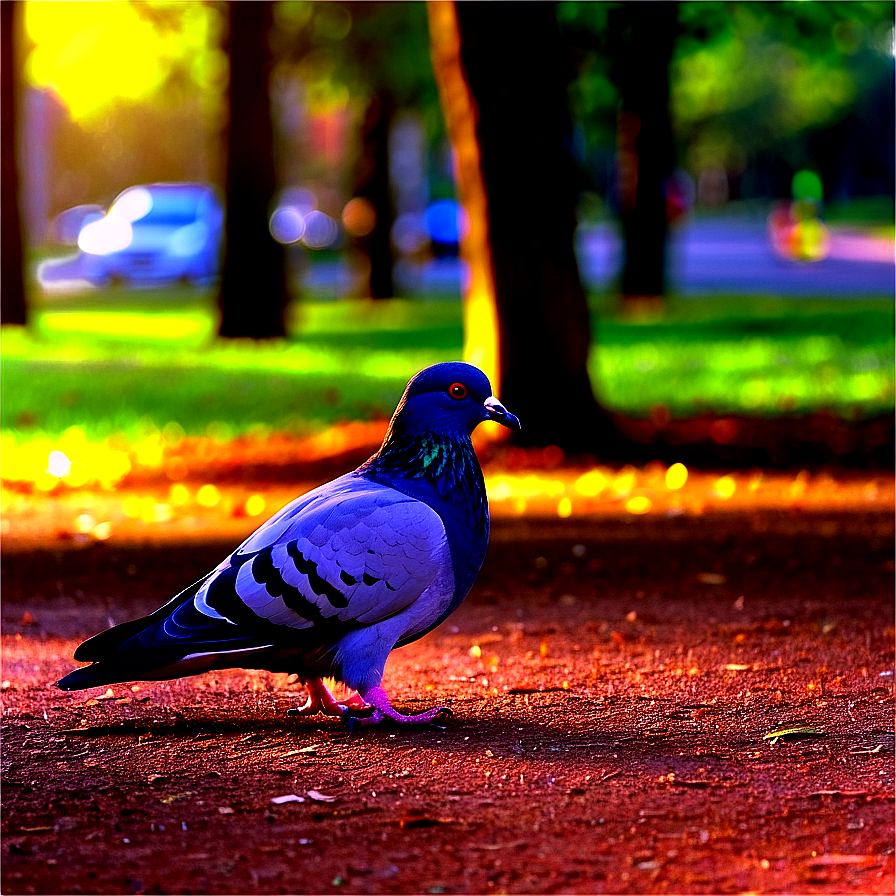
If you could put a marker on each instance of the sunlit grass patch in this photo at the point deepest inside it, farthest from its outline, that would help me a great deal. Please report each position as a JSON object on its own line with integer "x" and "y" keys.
{"x": 757, "y": 375}
{"x": 742, "y": 356}
{"x": 123, "y": 370}
{"x": 131, "y": 367}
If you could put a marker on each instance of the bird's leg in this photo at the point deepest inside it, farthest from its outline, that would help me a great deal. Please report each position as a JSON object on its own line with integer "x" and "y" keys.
{"x": 320, "y": 700}
{"x": 378, "y": 700}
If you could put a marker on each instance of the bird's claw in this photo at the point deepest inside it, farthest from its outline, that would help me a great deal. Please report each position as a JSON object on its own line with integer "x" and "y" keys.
{"x": 313, "y": 708}
{"x": 372, "y": 708}
{"x": 321, "y": 701}
{"x": 381, "y": 710}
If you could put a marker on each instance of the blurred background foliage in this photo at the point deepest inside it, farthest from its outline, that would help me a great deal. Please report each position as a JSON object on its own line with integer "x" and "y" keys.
{"x": 758, "y": 90}
{"x": 135, "y": 92}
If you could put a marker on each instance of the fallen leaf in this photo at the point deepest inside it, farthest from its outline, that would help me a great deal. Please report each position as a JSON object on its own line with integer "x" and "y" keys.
{"x": 287, "y": 798}
{"x": 311, "y": 750}
{"x": 494, "y": 847}
{"x": 795, "y": 731}
{"x": 176, "y": 797}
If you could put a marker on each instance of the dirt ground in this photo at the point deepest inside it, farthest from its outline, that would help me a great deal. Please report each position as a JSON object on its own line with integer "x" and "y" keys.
{"x": 614, "y": 681}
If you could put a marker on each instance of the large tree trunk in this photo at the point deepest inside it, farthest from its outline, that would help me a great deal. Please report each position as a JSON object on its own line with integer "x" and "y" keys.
{"x": 253, "y": 293}
{"x": 645, "y": 150}
{"x": 13, "y": 309}
{"x": 513, "y": 66}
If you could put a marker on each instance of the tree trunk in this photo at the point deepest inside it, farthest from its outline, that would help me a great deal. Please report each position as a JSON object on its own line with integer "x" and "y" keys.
{"x": 372, "y": 183}
{"x": 645, "y": 151}
{"x": 516, "y": 71}
{"x": 13, "y": 309}
{"x": 253, "y": 293}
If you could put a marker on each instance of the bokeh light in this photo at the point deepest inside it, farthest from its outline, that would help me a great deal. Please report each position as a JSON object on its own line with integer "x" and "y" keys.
{"x": 287, "y": 224}
{"x": 58, "y": 465}
{"x": 359, "y": 216}
{"x": 676, "y": 476}
{"x": 806, "y": 186}
{"x": 725, "y": 487}
{"x": 95, "y": 55}
{"x": 639, "y": 504}
{"x": 321, "y": 230}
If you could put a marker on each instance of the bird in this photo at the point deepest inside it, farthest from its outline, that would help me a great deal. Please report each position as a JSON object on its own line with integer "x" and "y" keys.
{"x": 343, "y": 574}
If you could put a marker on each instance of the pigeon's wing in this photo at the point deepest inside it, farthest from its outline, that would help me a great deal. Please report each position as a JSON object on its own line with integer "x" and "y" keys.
{"x": 347, "y": 555}
{"x": 344, "y": 557}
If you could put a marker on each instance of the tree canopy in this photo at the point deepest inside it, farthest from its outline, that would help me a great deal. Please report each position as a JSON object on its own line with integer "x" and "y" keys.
{"x": 747, "y": 80}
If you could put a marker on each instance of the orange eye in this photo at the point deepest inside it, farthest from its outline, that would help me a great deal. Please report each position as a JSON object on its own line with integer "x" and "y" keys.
{"x": 458, "y": 391}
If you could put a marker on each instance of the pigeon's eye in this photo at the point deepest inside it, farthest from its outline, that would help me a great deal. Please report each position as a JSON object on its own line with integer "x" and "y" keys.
{"x": 458, "y": 391}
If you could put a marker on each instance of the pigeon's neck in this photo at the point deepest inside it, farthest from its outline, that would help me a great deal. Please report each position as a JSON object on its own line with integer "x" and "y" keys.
{"x": 444, "y": 472}
{"x": 427, "y": 456}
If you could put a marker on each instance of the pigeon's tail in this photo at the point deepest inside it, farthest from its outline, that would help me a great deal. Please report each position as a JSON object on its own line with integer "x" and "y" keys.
{"x": 174, "y": 641}
{"x": 157, "y": 668}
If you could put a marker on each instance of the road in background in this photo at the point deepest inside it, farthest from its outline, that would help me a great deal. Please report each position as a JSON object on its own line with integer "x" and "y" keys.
{"x": 724, "y": 254}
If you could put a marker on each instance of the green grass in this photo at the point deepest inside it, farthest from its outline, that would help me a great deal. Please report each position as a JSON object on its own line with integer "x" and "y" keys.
{"x": 750, "y": 355}
{"x": 133, "y": 363}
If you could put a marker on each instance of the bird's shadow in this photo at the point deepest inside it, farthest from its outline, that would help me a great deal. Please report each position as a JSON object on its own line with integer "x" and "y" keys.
{"x": 554, "y": 740}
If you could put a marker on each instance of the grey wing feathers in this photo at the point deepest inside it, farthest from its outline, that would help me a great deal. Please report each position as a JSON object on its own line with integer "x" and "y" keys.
{"x": 353, "y": 551}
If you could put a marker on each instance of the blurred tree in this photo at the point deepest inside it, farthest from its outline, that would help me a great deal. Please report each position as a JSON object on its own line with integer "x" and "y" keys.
{"x": 760, "y": 90}
{"x": 503, "y": 80}
{"x": 372, "y": 184}
{"x": 645, "y": 155}
{"x": 12, "y": 295}
{"x": 253, "y": 292}
{"x": 387, "y": 64}
{"x": 623, "y": 53}
{"x": 756, "y": 89}
{"x": 377, "y": 53}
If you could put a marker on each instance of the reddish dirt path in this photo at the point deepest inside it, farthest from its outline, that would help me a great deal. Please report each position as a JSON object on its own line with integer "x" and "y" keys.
{"x": 613, "y": 679}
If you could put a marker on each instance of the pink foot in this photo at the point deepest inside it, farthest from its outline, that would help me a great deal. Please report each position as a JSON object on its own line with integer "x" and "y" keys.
{"x": 320, "y": 700}
{"x": 378, "y": 700}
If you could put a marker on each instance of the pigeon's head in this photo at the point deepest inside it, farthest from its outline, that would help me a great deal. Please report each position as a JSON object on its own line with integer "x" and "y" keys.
{"x": 453, "y": 398}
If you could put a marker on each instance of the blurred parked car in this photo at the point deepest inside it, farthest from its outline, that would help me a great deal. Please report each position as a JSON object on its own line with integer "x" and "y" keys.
{"x": 151, "y": 235}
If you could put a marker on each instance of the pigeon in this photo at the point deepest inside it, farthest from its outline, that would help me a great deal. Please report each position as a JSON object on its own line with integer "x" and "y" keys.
{"x": 328, "y": 586}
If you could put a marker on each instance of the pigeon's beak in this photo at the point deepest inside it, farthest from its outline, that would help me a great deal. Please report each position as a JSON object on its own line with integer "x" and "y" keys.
{"x": 497, "y": 412}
